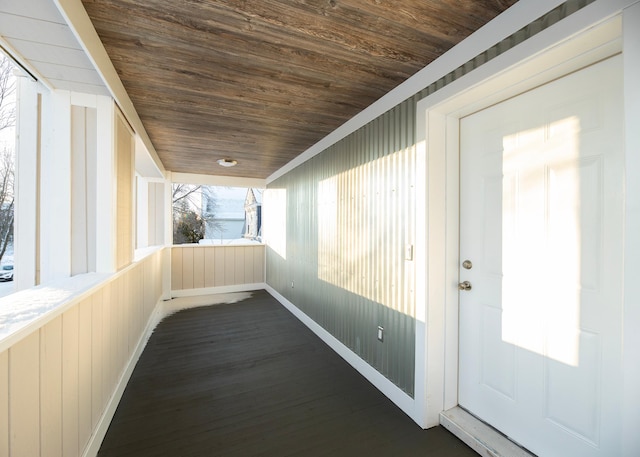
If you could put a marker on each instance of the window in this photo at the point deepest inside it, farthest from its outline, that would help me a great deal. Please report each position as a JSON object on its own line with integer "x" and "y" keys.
{"x": 216, "y": 214}
{"x": 7, "y": 170}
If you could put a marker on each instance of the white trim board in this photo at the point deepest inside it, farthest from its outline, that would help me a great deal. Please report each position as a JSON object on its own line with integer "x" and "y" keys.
{"x": 216, "y": 180}
{"x": 631, "y": 330}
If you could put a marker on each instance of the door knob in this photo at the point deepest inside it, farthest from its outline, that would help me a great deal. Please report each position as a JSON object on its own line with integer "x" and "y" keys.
{"x": 465, "y": 285}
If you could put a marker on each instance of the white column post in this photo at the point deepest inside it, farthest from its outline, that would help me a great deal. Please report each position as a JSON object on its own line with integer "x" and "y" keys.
{"x": 142, "y": 212}
{"x": 26, "y": 184}
{"x": 168, "y": 238}
{"x": 105, "y": 187}
{"x": 55, "y": 187}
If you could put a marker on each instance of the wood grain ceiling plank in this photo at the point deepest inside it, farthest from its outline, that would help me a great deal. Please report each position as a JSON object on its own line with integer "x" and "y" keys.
{"x": 257, "y": 52}
{"x": 262, "y": 80}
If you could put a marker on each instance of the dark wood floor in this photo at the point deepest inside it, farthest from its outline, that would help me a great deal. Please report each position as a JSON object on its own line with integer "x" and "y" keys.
{"x": 248, "y": 379}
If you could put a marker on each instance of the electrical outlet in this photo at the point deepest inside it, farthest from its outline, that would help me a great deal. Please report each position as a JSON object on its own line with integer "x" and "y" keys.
{"x": 380, "y": 333}
{"x": 408, "y": 252}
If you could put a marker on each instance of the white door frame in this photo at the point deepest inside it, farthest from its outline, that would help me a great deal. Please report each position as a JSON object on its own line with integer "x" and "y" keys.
{"x": 589, "y": 35}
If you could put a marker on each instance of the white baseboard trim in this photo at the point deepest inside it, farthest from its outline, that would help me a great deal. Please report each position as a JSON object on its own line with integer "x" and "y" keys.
{"x": 217, "y": 290}
{"x": 389, "y": 389}
{"x": 479, "y": 436}
{"x": 93, "y": 446}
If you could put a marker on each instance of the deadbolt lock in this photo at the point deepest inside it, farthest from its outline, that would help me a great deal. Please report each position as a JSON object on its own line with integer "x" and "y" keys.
{"x": 467, "y": 265}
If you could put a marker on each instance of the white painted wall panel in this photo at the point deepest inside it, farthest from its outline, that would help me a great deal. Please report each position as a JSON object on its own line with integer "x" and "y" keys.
{"x": 198, "y": 273}
{"x": 56, "y": 383}
{"x": 209, "y": 267}
{"x": 84, "y": 372}
{"x": 229, "y": 266}
{"x": 24, "y": 397}
{"x": 187, "y": 268}
{"x": 98, "y": 361}
{"x": 70, "y": 382}
{"x": 219, "y": 266}
{"x": 258, "y": 265}
{"x": 21, "y": 27}
{"x": 79, "y": 230}
{"x": 44, "y": 11}
{"x": 176, "y": 269}
{"x": 51, "y": 388}
{"x": 200, "y": 267}
{"x": 4, "y": 403}
{"x": 238, "y": 266}
{"x": 43, "y": 52}
{"x": 55, "y": 191}
{"x": 70, "y": 74}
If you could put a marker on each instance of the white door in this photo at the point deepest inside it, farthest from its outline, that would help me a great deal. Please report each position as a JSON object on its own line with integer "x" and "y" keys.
{"x": 541, "y": 223}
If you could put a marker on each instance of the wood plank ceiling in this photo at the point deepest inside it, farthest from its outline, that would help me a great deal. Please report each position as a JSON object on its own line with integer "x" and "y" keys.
{"x": 260, "y": 81}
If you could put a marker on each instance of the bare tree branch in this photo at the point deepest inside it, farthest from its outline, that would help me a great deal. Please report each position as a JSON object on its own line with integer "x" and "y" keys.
{"x": 182, "y": 191}
{"x": 7, "y": 119}
{"x": 6, "y": 200}
{"x": 7, "y": 91}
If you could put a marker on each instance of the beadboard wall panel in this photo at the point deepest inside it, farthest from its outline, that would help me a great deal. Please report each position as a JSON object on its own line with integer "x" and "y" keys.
{"x": 196, "y": 267}
{"x": 56, "y": 382}
{"x": 348, "y": 216}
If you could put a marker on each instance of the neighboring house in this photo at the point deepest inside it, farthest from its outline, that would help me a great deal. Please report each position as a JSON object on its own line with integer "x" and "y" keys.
{"x": 253, "y": 214}
{"x": 229, "y": 226}
{"x": 224, "y": 217}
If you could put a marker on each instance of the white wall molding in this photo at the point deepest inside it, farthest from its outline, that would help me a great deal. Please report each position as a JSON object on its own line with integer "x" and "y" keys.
{"x": 631, "y": 303}
{"x": 215, "y": 180}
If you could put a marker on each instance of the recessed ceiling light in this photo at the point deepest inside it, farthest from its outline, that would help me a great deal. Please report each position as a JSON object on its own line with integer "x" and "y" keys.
{"x": 227, "y": 162}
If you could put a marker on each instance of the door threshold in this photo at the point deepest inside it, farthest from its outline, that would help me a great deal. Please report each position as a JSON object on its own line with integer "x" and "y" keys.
{"x": 479, "y": 436}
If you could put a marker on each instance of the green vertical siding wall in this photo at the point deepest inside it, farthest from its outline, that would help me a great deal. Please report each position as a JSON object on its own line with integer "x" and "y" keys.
{"x": 349, "y": 215}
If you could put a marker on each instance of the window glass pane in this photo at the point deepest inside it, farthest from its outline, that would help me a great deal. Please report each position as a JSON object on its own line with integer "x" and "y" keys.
{"x": 7, "y": 171}
{"x": 216, "y": 215}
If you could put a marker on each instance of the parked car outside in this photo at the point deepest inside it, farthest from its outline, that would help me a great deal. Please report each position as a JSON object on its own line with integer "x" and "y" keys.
{"x": 6, "y": 273}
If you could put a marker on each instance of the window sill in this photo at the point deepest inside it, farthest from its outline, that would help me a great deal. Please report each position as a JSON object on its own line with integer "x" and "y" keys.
{"x": 142, "y": 253}
{"x": 24, "y": 311}
{"x": 222, "y": 243}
